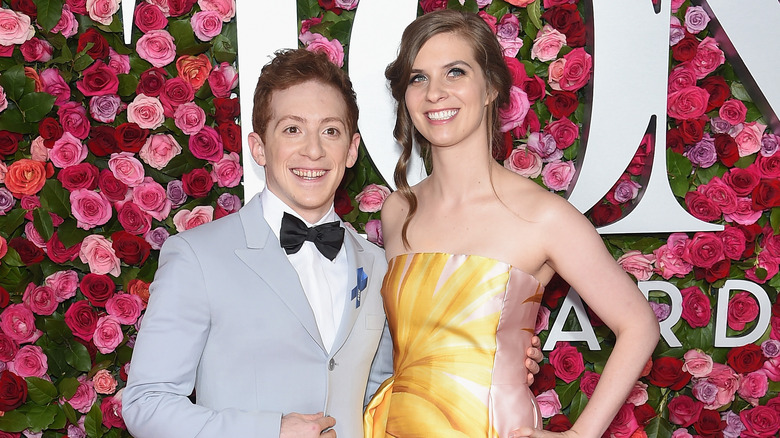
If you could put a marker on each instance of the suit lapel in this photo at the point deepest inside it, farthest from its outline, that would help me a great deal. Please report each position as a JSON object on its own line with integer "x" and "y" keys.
{"x": 265, "y": 256}
{"x": 357, "y": 258}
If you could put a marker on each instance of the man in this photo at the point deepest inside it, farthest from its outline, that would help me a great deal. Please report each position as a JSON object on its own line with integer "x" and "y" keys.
{"x": 265, "y": 331}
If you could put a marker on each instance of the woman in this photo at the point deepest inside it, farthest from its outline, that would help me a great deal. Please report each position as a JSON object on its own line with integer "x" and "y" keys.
{"x": 470, "y": 249}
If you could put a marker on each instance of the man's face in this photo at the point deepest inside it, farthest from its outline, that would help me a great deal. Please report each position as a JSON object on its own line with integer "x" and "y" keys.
{"x": 307, "y": 147}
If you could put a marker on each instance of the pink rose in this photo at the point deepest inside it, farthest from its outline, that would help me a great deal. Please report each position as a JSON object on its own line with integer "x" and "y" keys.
{"x": 315, "y": 42}
{"x": 206, "y": 144}
{"x": 637, "y": 264}
{"x": 225, "y": 8}
{"x": 547, "y": 44}
{"x": 374, "y": 232}
{"x": 697, "y": 363}
{"x": 721, "y": 194}
{"x": 67, "y": 26}
{"x": 150, "y": 197}
{"x": 752, "y": 387}
{"x": 8, "y": 347}
{"x": 189, "y": 117}
{"x": 119, "y": 64}
{"x": 84, "y": 397}
{"x": 768, "y": 263}
{"x": 682, "y": 76}
{"x": 126, "y": 168}
{"x": 726, "y": 381}
{"x": 108, "y": 334}
{"x": 15, "y": 27}
{"x": 157, "y": 47}
{"x": 555, "y": 73}
{"x": 704, "y": 250}
{"x": 30, "y": 361}
{"x": 524, "y": 162}
{"x": 126, "y": 308}
{"x": 761, "y": 421}
{"x": 3, "y": 106}
{"x": 102, "y": 11}
{"x": 40, "y": 299}
{"x": 588, "y": 382}
{"x": 104, "y": 382}
{"x": 146, "y": 111}
{"x": 73, "y": 118}
{"x": 696, "y": 307}
{"x": 54, "y": 84}
{"x": 638, "y": 395}
{"x": 91, "y": 209}
{"x": 105, "y": 108}
{"x": 733, "y": 111}
{"x": 557, "y": 175}
{"x": 772, "y": 369}
{"x": 223, "y": 79}
{"x": 98, "y": 80}
{"x": 176, "y": 91}
{"x": 206, "y": 24}
{"x": 708, "y": 57}
{"x": 548, "y": 403}
{"x": 576, "y": 71}
{"x": 185, "y": 219}
{"x": 564, "y": 131}
{"x": 97, "y": 252}
{"x": 352, "y": 4}
{"x": 542, "y": 320}
{"x": 749, "y": 138}
{"x": 742, "y": 309}
{"x": 38, "y": 151}
{"x": 111, "y": 409}
{"x": 18, "y": 322}
{"x": 36, "y": 50}
{"x": 768, "y": 166}
{"x": 227, "y": 172}
{"x": 67, "y": 151}
{"x": 684, "y": 411}
{"x": 734, "y": 242}
{"x": 744, "y": 215}
{"x": 687, "y": 103}
{"x": 159, "y": 149}
{"x": 513, "y": 114}
{"x": 567, "y": 361}
{"x": 372, "y": 197}
{"x": 63, "y": 283}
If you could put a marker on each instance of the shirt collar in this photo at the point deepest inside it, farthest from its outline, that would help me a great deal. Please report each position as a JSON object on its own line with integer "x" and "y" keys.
{"x": 274, "y": 208}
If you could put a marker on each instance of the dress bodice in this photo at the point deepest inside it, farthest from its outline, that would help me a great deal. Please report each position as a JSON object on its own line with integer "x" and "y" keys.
{"x": 460, "y": 325}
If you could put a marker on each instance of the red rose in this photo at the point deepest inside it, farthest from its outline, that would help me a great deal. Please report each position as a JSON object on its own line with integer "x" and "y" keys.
{"x": 58, "y": 252}
{"x": 114, "y": 189}
{"x": 330, "y": 5}
{"x": 13, "y": 391}
{"x": 9, "y": 143}
{"x": 644, "y": 413}
{"x": 719, "y": 270}
{"x": 567, "y": 361}
{"x": 51, "y": 131}
{"x": 100, "y": 46}
{"x": 151, "y": 81}
{"x": 544, "y": 380}
{"x": 726, "y": 148}
{"x": 667, "y": 372}
{"x": 28, "y": 252}
{"x": 605, "y": 213}
{"x": 98, "y": 80}
{"x": 743, "y": 181}
{"x": 760, "y": 421}
{"x": 180, "y": 7}
{"x": 231, "y": 136}
{"x": 558, "y": 423}
{"x": 624, "y": 424}
{"x": 702, "y": 207}
{"x": 26, "y": 7}
{"x": 77, "y": 6}
{"x": 567, "y": 20}
{"x": 766, "y": 194}
{"x": 130, "y": 248}
{"x": 746, "y": 359}
{"x": 696, "y": 307}
{"x": 674, "y": 140}
{"x": 556, "y": 289}
{"x": 81, "y": 318}
{"x": 149, "y": 17}
{"x": 588, "y": 383}
{"x": 197, "y": 183}
{"x": 225, "y": 109}
{"x": 98, "y": 288}
{"x": 685, "y": 49}
{"x": 206, "y": 144}
{"x": 5, "y": 298}
{"x": 684, "y": 410}
{"x": 534, "y": 88}
{"x": 133, "y": 219}
{"x": 112, "y": 416}
{"x": 692, "y": 130}
{"x": 719, "y": 91}
{"x": 429, "y": 5}
{"x": 517, "y": 70}
{"x": 561, "y": 103}
{"x": 79, "y": 176}
{"x": 704, "y": 250}
{"x": 175, "y": 92}
{"x": 768, "y": 166}
{"x": 102, "y": 141}
{"x": 709, "y": 423}
{"x": 342, "y": 204}
{"x": 130, "y": 137}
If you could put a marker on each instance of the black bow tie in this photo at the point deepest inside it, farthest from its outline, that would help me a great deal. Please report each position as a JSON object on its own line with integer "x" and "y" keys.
{"x": 327, "y": 237}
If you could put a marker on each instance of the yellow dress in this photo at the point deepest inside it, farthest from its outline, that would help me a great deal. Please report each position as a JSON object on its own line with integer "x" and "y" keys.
{"x": 461, "y": 325}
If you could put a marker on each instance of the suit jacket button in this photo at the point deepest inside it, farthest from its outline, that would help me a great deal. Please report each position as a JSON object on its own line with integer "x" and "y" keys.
{"x": 331, "y": 365}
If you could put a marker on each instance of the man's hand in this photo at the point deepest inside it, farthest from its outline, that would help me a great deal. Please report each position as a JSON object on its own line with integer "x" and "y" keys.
{"x": 295, "y": 425}
{"x": 535, "y": 356}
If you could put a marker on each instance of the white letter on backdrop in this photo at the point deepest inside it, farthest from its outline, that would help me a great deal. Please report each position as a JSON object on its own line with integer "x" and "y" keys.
{"x": 676, "y": 304}
{"x": 721, "y": 317}
{"x": 572, "y": 301}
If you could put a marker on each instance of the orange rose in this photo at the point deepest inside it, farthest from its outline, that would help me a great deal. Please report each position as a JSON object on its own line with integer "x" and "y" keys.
{"x": 194, "y": 69}
{"x": 25, "y": 177}
{"x": 140, "y": 288}
{"x": 32, "y": 74}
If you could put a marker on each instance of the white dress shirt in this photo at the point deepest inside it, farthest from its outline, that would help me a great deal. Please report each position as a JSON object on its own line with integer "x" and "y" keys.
{"x": 324, "y": 281}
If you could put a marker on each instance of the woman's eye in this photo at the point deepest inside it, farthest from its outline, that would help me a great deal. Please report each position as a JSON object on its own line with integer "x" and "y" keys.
{"x": 417, "y": 79}
{"x": 457, "y": 72}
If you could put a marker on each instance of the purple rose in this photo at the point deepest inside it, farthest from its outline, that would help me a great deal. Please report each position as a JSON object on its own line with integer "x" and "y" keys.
{"x": 7, "y": 201}
{"x": 508, "y": 27}
{"x": 703, "y": 153}
{"x": 626, "y": 190}
{"x": 156, "y": 237}
{"x": 696, "y": 19}
{"x": 661, "y": 310}
{"x": 734, "y": 426}
{"x": 705, "y": 391}
{"x": 769, "y": 144}
{"x": 543, "y": 144}
{"x": 229, "y": 202}
{"x": 771, "y": 348}
{"x": 175, "y": 192}
{"x": 105, "y": 108}
{"x": 719, "y": 126}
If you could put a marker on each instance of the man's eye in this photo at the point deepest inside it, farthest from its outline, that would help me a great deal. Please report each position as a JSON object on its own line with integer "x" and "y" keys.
{"x": 292, "y": 130}
{"x": 331, "y": 131}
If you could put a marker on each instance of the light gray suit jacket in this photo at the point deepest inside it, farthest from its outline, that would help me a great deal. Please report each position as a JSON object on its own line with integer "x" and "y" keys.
{"x": 228, "y": 317}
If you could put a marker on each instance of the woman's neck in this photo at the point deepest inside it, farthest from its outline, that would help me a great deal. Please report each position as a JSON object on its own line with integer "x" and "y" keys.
{"x": 461, "y": 171}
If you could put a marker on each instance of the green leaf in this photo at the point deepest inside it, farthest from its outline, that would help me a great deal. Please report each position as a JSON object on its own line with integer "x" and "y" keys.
{"x": 223, "y": 49}
{"x": 13, "y": 278}
{"x": 739, "y": 92}
{"x": 659, "y": 427}
{"x": 774, "y": 219}
{"x": 57, "y": 330}
{"x": 12, "y": 258}
{"x": 13, "y": 82}
{"x": 567, "y": 392}
{"x": 498, "y": 8}
{"x": 55, "y": 198}
{"x": 82, "y": 60}
{"x": 183, "y": 35}
{"x": 92, "y": 424}
{"x": 70, "y": 413}
{"x": 12, "y": 120}
{"x": 679, "y": 169}
{"x": 41, "y": 391}
{"x": 11, "y": 221}
{"x": 49, "y": 13}
{"x": 535, "y": 14}
{"x": 43, "y": 223}
{"x": 14, "y": 421}
{"x": 35, "y": 106}
{"x": 69, "y": 234}
{"x": 68, "y": 387}
{"x": 40, "y": 417}
{"x": 340, "y": 31}
{"x": 77, "y": 356}
{"x": 308, "y": 9}
{"x": 127, "y": 84}
{"x": 64, "y": 57}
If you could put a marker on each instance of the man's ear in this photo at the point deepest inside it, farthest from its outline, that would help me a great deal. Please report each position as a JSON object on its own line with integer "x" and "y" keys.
{"x": 352, "y": 152}
{"x": 257, "y": 148}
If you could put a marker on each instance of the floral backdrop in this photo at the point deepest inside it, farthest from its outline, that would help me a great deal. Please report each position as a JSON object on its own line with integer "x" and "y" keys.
{"x": 106, "y": 150}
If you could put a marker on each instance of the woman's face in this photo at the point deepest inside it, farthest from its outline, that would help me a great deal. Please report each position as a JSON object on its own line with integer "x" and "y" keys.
{"x": 447, "y": 96}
